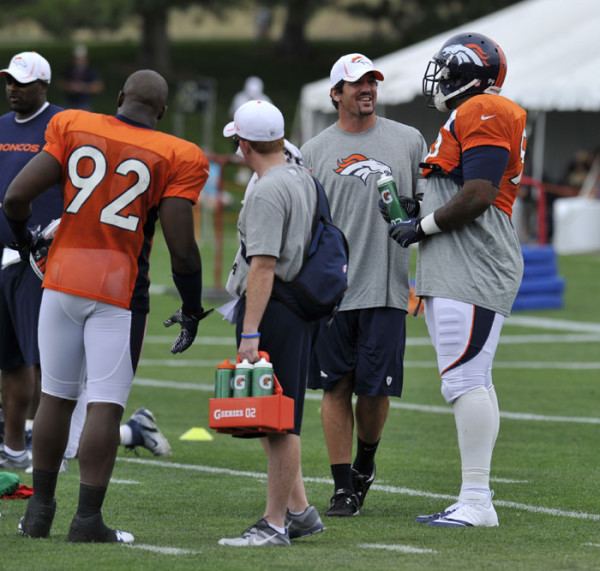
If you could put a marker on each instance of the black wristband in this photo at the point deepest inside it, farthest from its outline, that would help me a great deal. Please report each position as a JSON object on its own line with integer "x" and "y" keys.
{"x": 19, "y": 230}
{"x": 189, "y": 287}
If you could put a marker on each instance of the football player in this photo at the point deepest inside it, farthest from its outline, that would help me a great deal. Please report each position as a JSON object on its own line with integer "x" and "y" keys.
{"x": 470, "y": 264}
{"x": 118, "y": 176}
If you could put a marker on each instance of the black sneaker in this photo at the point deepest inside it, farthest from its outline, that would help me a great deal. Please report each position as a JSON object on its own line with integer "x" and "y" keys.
{"x": 362, "y": 483}
{"x": 344, "y": 503}
{"x": 92, "y": 529}
{"x": 38, "y": 518}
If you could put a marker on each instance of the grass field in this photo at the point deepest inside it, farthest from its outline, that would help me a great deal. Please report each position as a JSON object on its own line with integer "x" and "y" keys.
{"x": 545, "y": 467}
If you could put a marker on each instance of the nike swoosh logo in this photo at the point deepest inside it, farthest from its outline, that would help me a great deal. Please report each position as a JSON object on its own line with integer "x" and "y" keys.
{"x": 486, "y": 117}
{"x": 258, "y": 542}
{"x": 324, "y": 375}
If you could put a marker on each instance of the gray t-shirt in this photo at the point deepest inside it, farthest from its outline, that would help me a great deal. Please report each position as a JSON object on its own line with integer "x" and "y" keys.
{"x": 481, "y": 263}
{"x": 275, "y": 220}
{"x": 348, "y": 165}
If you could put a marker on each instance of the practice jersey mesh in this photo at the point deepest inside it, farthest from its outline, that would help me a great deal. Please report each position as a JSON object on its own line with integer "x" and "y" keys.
{"x": 115, "y": 174}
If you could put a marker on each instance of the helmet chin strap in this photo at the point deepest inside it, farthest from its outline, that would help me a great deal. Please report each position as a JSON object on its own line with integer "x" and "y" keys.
{"x": 439, "y": 99}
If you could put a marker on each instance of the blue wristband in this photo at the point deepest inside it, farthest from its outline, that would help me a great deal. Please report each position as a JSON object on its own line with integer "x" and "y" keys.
{"x": 250, "y": 335}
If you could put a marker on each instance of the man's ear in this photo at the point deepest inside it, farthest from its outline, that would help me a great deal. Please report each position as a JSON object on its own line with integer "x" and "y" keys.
{"x": 120, "y": 99}
{"x": 162, "y": 112}
{"x": 335, "y": 94}
{"x": 245, "y": 147}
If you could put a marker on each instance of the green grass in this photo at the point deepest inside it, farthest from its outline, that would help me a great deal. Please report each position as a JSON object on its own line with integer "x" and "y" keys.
{"x": 545, "y": 464}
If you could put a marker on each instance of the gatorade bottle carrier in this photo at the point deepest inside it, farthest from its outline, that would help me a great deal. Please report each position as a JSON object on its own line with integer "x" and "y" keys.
{"x": 249, "y": 415}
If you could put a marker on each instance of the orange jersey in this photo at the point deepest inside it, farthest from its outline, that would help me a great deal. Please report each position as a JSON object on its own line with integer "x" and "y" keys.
{"x": 115, "y": 173}
{"x": 483, "y": 120}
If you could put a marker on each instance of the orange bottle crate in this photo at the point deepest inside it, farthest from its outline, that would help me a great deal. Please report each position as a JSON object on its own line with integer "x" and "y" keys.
{"x": 249, "y": 415}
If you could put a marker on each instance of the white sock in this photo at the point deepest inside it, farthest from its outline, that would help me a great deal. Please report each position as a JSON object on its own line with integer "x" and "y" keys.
{"x": 126, "y": 435}
{"x": 277, "y": 528}
{"x": 476, "y": 428}
{"x": 13, "y": 453}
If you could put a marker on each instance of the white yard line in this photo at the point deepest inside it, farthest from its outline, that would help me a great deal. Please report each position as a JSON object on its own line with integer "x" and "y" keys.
{"x": 508, "y": 481}
{"x": 316, "y": 396}
{"x": 124, "y": 482}
{"x": 590, "y": 337}
{"x": 401, "y": 548}
{"x": 386, "y": 489}
{"x": 163, "y": 550}
{"x": 430, "y": 364}
{"x": 550, "y": 323}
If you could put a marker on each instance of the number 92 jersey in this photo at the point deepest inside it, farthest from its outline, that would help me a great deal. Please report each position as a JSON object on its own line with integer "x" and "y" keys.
{"x": 115, "y": 173}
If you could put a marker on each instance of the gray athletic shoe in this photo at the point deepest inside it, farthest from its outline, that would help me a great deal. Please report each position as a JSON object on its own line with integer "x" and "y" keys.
{"x": 261, "y": 534}
{"x": 143, "y": 424}
{"x": 304, "y": 524}
{"x": 21, "y": 462}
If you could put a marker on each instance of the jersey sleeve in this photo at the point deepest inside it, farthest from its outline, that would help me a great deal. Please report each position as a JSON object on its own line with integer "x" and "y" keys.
{"x": 479, "y": 124}
{"x": 189, "y": 175}
{"x": 54, "y": 136}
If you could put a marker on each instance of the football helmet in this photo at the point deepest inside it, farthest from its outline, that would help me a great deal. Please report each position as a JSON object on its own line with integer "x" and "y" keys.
{"x": 466, "y": 64}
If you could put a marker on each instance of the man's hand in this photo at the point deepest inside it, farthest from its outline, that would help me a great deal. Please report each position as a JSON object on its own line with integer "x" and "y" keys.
{"x": 189, "y": 328}
{"x": 411, "y": 206}
{"x": 407, "y": 232}
{"x": 38, "y": 256}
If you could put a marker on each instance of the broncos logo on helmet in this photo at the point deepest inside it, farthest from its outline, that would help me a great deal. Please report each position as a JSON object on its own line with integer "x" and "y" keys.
{"x": 468, "y": 53}
{"x": 361, "y": 166}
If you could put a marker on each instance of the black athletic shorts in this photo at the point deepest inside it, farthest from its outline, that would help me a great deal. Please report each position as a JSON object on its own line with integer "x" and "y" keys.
{"x": 288, "y": 340}
{"x": 370, "y": 343}
{"x": 20, "y": 298}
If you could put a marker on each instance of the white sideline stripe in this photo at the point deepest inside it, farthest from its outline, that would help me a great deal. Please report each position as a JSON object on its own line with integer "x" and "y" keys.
{"x": 401, "y": 548}
{"x": 508, "y": 481}
{"x": 591, "y": 544}
{"x": 411, "y": 342}
{"x": 163, "y": 550}
{"x": 125, "y": 482}
{"x": 387, "y": 489}
{"x": 563, "y": 365}
{"x": 183, "y": 386}
{"x": 557, "y": 324}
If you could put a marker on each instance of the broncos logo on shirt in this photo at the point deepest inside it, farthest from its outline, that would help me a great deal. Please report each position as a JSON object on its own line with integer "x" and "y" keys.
{"x": 361, "y": 166}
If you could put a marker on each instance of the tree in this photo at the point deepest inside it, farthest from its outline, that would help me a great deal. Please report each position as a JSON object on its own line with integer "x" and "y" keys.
{"x": 61, "y": 17}
{"x": 413, "y": 20}
{"x": 298, "y": 13}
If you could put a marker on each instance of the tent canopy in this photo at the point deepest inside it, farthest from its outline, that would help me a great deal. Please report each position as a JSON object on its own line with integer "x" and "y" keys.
{"x": 551, "y": 46}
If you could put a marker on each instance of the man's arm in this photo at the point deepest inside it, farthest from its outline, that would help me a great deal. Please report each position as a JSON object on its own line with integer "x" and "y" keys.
{"x": 178, "y": 228}
{"x": 470, "y": 202}
{"x": 37, "y": 176}
{"x": 258, "y": 291}
{"x": 475, "y": 197}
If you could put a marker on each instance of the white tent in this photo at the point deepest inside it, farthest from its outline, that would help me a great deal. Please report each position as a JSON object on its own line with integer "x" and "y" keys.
{"x": 553, "y": 53}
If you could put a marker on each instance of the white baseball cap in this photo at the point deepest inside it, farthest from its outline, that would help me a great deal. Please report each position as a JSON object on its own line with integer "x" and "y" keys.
{"x": 256, "y": 121}
{"x": 28, "y": 67}
{"x": 352, "y": 67}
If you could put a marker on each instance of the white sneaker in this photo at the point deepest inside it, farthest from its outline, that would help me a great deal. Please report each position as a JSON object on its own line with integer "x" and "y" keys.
{"x": 143, "y": 423}
{"x": 463, "y": 514}
{"x": 261, "y": 534}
